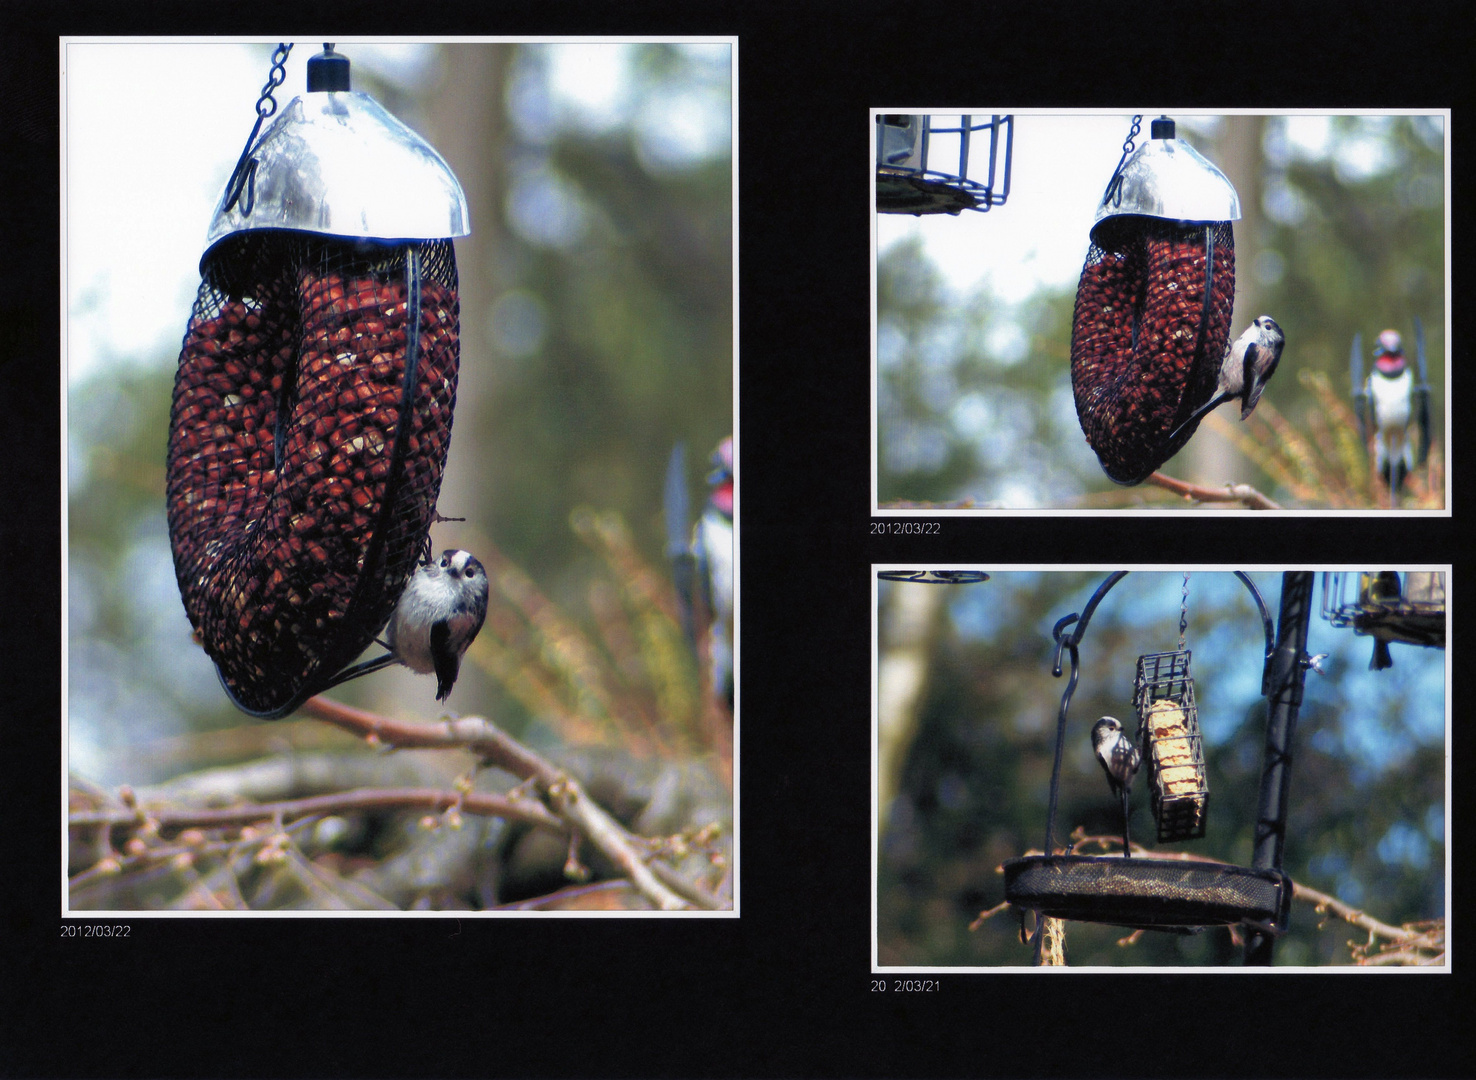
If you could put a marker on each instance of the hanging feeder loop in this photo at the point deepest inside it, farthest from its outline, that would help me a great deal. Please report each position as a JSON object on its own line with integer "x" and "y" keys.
{"x": 1114, "y": 186}
{"x": 1063, "y": 642}
{"x": 1072, "y": 640}
{"x": 241, "y": 187}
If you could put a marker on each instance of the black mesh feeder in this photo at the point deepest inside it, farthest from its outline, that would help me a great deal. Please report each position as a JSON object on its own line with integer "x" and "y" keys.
{"x": 313, "y": 401}
{"x": 910, "y": 180}
{"x": 1169, "y": 894}
{"x": 1153, "y": 306}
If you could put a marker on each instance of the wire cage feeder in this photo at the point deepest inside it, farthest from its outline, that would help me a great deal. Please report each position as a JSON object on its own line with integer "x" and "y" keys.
{"x": 1173, "y": 749}
{"x": 1409, "y": 608}
{"x": 313, "y": 400}
{"x": 907, "y": 181}
{"x": 1154, "y": 302}
{"x": 934, "y": 577}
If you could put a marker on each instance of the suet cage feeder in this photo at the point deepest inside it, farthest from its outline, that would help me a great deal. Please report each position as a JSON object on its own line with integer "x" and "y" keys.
{"x": 1149, "y": 893}
{"x": 1153, "y": 306}
{"x": 313, "y": 400}
{"x": 910, "y": 179}
{"x": 1168, "y": 720}
{"x": 1408, "y": 608}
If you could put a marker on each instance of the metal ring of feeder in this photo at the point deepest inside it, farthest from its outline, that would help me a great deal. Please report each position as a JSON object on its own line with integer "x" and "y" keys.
{"x": 934, "y": 577}
{"x": 1148, "y": 894}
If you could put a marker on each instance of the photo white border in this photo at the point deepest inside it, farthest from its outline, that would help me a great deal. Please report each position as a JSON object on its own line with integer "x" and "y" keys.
{"x": 877, "y": 510}
{"x": 120, "y": 915}
{"x": 1003, "y": 568}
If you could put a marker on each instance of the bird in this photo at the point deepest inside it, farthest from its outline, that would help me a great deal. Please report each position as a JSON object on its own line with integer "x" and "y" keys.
{"x": 712, "y": 546}
{"x": 1381, "y": 593}
{"x": 1247, "y": 366}
{"x": 438, "y": 616}
{"x": 1119, "y": 759}
{"x": 1390, "y": 389}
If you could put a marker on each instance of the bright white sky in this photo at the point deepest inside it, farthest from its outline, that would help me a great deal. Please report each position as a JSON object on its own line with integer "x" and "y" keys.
{"x": 1061, "y": 166}
{"x": 153, "y": 130}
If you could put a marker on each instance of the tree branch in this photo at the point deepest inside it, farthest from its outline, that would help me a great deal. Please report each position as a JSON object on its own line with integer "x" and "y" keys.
{"x": 170, "y": 819}
{"x": 1241, "y": 493}
{"x": 566, "y": 797}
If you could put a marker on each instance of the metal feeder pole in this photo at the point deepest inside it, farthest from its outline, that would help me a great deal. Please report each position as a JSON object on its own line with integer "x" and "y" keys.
{"x": 1287, "y": 676}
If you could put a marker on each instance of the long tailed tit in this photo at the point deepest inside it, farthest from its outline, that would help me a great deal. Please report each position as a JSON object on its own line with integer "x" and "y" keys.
{"x": 438, "y": 617}
{"x": 1119, "y": 759}
{"x": 1248, "y": 365}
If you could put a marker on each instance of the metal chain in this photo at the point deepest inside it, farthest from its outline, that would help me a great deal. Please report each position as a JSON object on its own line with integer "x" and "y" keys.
{"x": 1184, "y": 611}
{"x": 266, "y": 105}
{"x": 1114, "y": 186}
{"x": 241, "y": 187}
{"x": 1127, "y": 147}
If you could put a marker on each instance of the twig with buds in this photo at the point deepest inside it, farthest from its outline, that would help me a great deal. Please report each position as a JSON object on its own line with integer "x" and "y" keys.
{"x": 433, "y": 799}
{"x": 1241, "y": 493}
{"x": 565, "y": 796}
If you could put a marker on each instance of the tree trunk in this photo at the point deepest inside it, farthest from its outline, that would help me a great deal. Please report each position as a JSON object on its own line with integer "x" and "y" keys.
{"x": 1213, "y": 459}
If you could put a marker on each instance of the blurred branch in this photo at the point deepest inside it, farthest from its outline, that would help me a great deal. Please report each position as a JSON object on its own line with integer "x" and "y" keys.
{"x": 523, "y": 810}
{"x": 989, "y": 914}
{"x": 1242, "y": 493}
{"x": 1418, "y": 944}
{"x": 565, "y": 796}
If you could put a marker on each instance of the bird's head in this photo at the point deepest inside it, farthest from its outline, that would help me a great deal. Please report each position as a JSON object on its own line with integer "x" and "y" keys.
{"x": 1105, "y": 729}
{"x": 1389, "y": 353}
{"x": 1390, "y": 344}
{"x": 460, "y": 564}
{"x": 721, "y": 477}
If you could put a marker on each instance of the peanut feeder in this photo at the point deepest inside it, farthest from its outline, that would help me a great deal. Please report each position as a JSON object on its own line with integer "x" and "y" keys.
{"x": 314, "y": 396}
{"x": 1153, "y": 307}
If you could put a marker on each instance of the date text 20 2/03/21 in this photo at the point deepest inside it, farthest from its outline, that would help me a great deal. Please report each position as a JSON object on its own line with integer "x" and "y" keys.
{"x": 906, "y": 986}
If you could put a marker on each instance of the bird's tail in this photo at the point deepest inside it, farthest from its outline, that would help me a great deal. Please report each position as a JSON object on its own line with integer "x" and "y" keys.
{"x": 1127, "y": 849}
